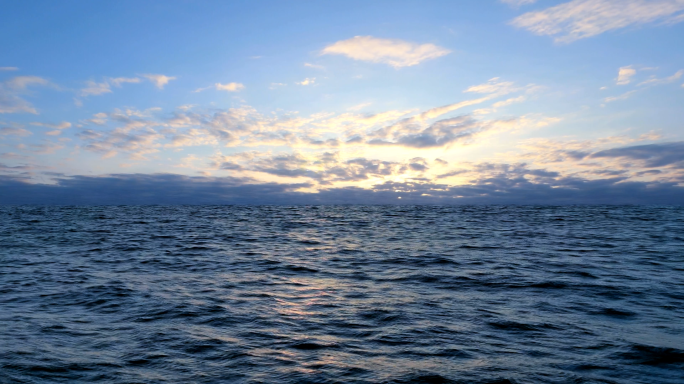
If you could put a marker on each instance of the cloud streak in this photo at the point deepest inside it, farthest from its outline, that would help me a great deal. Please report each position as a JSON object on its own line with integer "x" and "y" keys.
{"x": 394, "y": 52}
{"x": 507, "y": 185}
{"x": 580, "y": 19}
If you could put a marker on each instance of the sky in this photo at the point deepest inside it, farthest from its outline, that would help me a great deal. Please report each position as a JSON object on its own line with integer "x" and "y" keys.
{"x": 342, "y": 102}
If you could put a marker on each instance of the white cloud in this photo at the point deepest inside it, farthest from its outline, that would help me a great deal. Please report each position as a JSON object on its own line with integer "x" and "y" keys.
{"x": 667, "y": 80}
{"x": 10, "y": 91}
{"x": 159, "y": 80}
{"x": 230, "y": 87}
{"x": 93, "y": 88}
{"x": 20, "y": 83}
{"x": 494, "y": 86}
{"x": 510, "y": 101}
{"x": 9, "y": 69}
{"x": 359, "y": 107}
{"x": 62, "y": 125}
{"x": 315, "y": 66}
{"x": 397, "y": 53}
{"x": 624, "y": 96}
{"x": 436, "y": 112}
{"x": 117, "y": 81}
{"x": 625, "y": 75}
{"x": 307, "y": 81}
{"x": 579, "y": 19}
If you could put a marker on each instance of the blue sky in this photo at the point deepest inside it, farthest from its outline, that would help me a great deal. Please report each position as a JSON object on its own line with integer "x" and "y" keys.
{"x": 337, "y": 101}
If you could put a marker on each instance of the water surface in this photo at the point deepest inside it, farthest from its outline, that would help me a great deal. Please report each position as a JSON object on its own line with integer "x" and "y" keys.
{"x": 342, "y": 294}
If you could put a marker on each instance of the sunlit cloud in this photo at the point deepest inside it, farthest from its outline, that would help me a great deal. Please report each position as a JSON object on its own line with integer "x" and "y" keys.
{"x": 229, "y": 87}
{"x": 579, "y": 19}
{"x": 625, "y": 75}
{"x": 307, "y": 81}
{"x": 667, "y": 80}
{"x": 624, "y": 96}
{"x": 159, "y": 80}
{"x": 394, "y": 52}
{"x": 495, "y": 86}
{"x": 314, "y": 66}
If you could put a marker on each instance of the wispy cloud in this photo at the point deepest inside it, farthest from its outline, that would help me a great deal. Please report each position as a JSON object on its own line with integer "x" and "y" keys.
{"x": 314, "y": 66}
{"x": 11, "y": 92}
{"x": 9, "y": 69}
{"x": 94, "y": 88}
{"x": 518, "y": 3}
{"x": 397, "y": 53}
{"x": 494, "y": 86}
{"x": 579, "y": 19}
{"x": 624, "y": 96}
{"x": 667, "y": 80}
{"x": 229, "y": 87}
{"x": 62, "y": 125}
{"x": 159, "y": 80}
{"x": 13, "y": 131}
{"x": 56, "y": 128}
{"x": 20, "y": 83}
{"x": 117, "y": 81}
{"x": 625, "y": 75}
{"x": 307, "y": 81}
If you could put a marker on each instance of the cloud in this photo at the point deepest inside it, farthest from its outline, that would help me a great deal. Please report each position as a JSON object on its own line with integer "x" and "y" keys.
{"x": 9, "y": 69}
{"x": 10, "y": 131}
{"x": 93, "y": 88}
{"x": 20, "y": 83}
{"x": 159, "y": 80}
{"x": 625, "y": 75}
{"x": 518, "y": 3}
{"x": 650, "y": 155}
{"x": 439, "y": 134}
{"x": 62, "y": 125}
{"x": 230, "y": 87}
{"x": 394, "y": 52}
{"x": 314, "y": 66}
{"x": 117, "y": 81}
{"x": 503, "y": 184}
{"x": 667, "y": 80}
{"x": 438, "y": 111}
{"x": 624, "y": 96}
{"x": 12, "y": 90}
{"x": 579, "y": 19}
{"x": 494, "y": 86}
{"x": 307, "y": 81}
{"x": 359, "y": 107}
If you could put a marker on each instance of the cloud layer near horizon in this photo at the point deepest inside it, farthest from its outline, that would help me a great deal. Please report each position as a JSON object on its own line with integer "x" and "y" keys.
{"x": 145, "y": 189}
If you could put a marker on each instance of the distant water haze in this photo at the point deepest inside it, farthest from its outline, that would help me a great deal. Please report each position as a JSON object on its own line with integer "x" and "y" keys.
{"x": 342, "y": 294}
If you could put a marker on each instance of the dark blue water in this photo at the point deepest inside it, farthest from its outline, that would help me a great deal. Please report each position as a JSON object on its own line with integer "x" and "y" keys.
{"x": 346, "y": 294}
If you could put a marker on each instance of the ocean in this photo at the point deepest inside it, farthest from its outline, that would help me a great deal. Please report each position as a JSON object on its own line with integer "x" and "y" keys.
{"x": 342, "y": 294}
